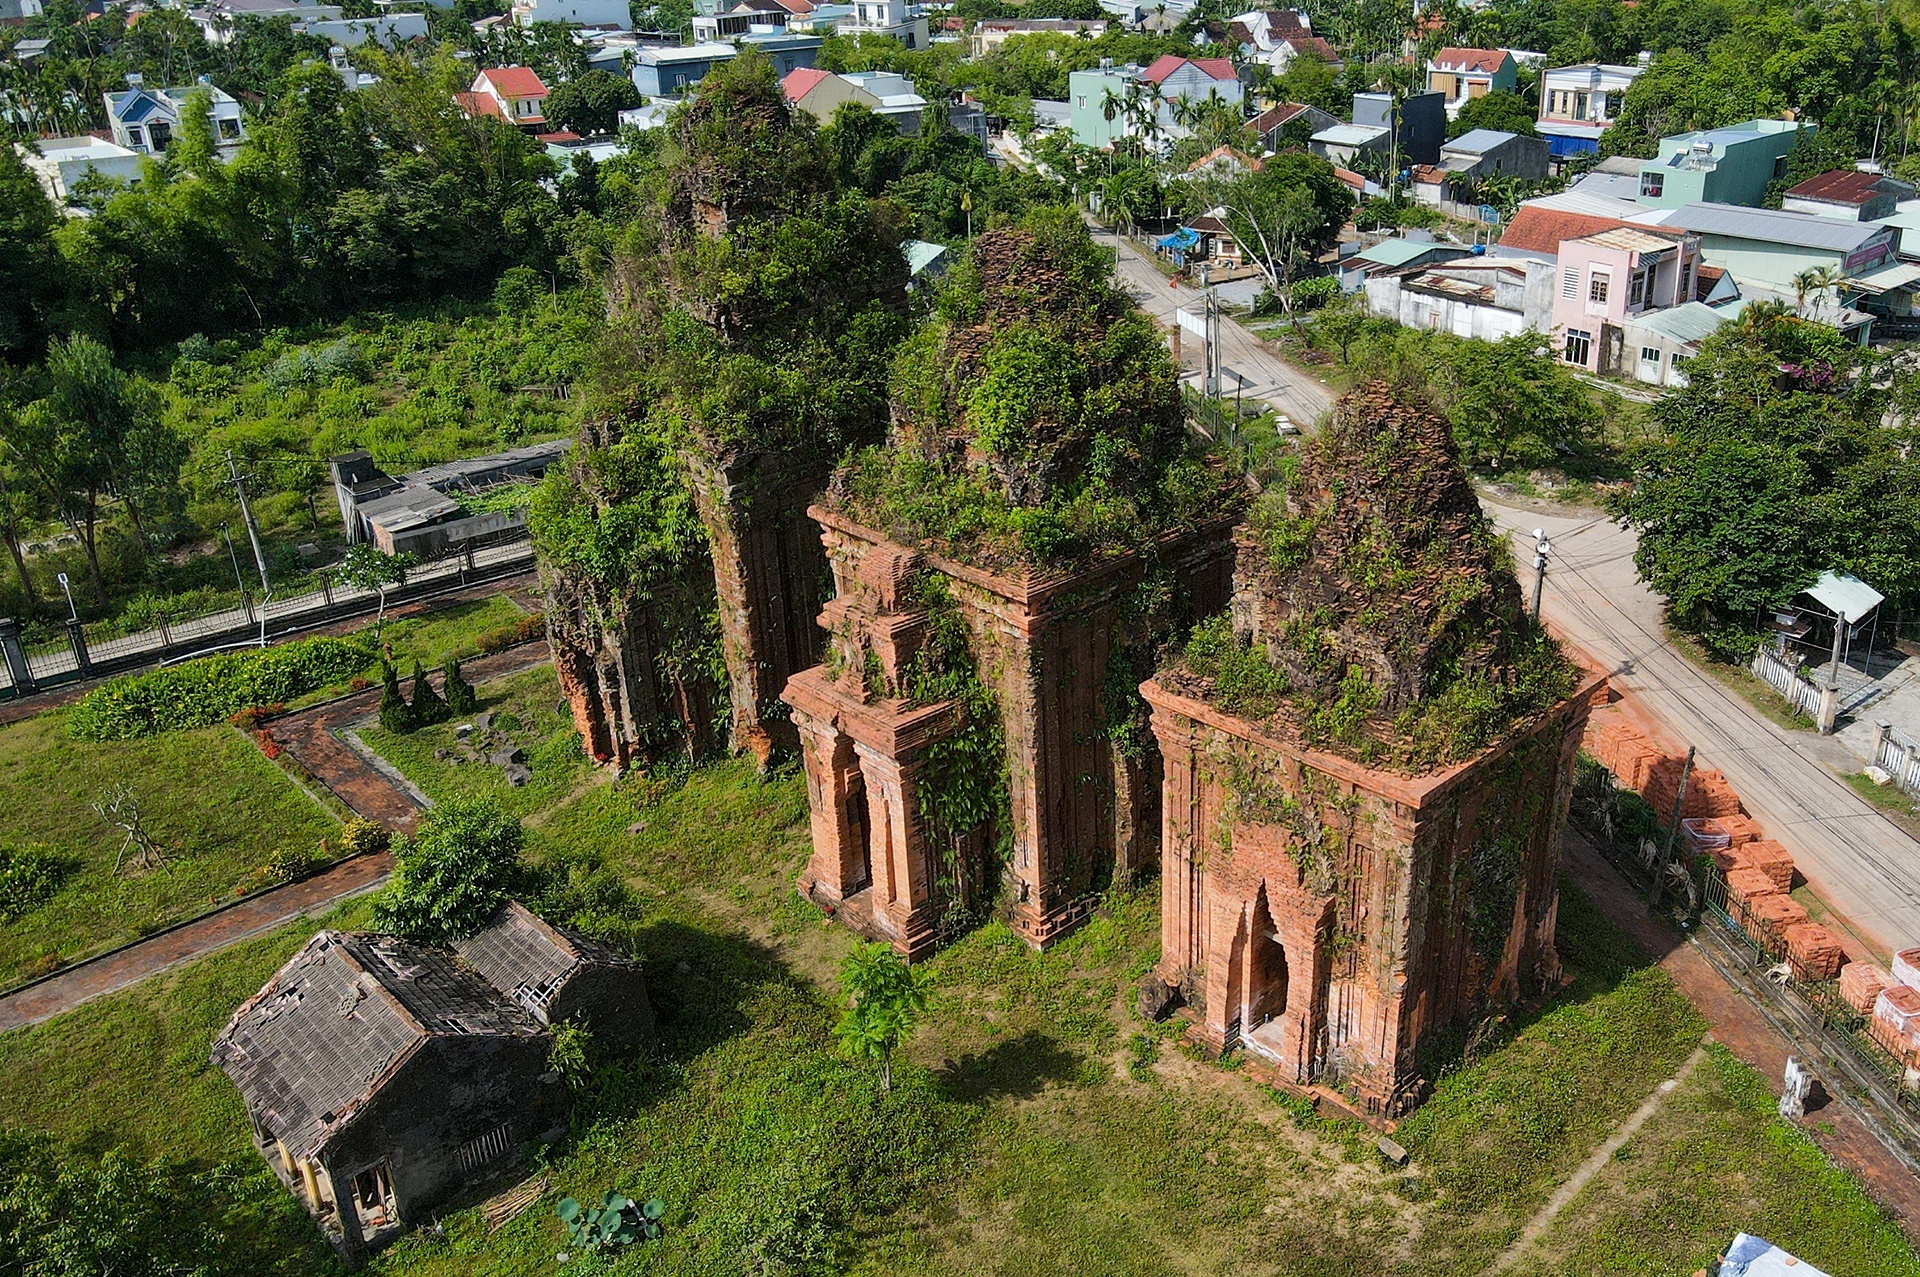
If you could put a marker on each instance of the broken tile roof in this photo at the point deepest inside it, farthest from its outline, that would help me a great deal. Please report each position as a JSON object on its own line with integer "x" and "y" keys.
{"x": 316, "y": 1044}
{"x": 528, "y": 959}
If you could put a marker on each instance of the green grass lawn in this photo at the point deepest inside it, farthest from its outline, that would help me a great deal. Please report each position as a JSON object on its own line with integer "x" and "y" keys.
{"x": 1036, "y": 1127}
{"x": 525, "y": 714}
{"x": 217, "y": 807}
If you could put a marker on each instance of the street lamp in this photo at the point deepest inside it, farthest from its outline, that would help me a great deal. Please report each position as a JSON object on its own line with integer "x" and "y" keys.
{"x": 1541, "y": 549}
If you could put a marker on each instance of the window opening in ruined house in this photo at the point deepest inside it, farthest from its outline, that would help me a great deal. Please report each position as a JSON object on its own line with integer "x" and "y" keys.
{"x": 486, "y": 1150}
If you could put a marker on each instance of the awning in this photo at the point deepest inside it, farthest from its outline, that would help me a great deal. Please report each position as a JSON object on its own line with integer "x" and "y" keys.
{"x": 1894, "y": 277}
{"x": 1847, "y": 597}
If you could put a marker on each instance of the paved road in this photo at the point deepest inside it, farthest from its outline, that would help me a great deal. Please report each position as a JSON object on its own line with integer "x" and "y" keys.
{"x": 1856, "y": 859}
{"x": 253, "y": 916}
{"x": 1294, "y": 392}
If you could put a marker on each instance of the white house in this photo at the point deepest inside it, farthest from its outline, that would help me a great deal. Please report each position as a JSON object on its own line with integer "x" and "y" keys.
{"x": 389, "y": 31}
{"x": 62, "y": 163}
{"x": 609, "y": 14}
{"x": 513, "y": 94}
{"x": 886, "y": 18}
{"x": 1460, "y": 75}
{"x": 217, "y": 18}
{"x": 145, "y": 120}
{"x": 1577, "y": 103}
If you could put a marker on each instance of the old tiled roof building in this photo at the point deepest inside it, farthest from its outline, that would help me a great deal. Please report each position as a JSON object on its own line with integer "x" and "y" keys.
{"x": 382, "y": 1077}
{"x": 1366, "y": 770}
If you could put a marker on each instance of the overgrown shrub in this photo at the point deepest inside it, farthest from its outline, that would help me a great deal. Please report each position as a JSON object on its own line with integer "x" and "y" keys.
{"x": 524, "y": 630}
{"x": 203, "y": 692}
{"x": 427, "y": 707}
{"x": 459, "y": 694}
{"x": 453, "y": 873}
{"x": 395, "y": 714}
{"x": 358, "y": 837}
{"x": 30, "y": 876}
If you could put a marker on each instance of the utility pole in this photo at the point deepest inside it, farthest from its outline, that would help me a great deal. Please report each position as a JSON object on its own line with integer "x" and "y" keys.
{"x": 253, "y": 529}
{"x": 1541, "y": 549}
{"x": 1673, "y": 830}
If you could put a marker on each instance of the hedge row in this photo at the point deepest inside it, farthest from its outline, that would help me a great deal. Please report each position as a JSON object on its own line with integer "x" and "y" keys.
{"x": 203, "y": 692}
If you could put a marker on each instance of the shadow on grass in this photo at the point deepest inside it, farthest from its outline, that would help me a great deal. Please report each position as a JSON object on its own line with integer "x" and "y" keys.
{"x": 1021, "y": 1068}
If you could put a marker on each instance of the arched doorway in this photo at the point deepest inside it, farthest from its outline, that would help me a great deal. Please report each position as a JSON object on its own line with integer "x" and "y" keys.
{"x": 1267, "y": 982}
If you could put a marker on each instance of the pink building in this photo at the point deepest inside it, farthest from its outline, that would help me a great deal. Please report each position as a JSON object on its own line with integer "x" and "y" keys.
{"x": 1612, "y": 276}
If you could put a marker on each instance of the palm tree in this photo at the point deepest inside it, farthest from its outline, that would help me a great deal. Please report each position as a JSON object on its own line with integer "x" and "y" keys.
{"x": 1815, "y": 280}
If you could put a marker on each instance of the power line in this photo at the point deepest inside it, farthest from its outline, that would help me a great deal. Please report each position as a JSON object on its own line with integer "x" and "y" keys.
{"x": 253, "y": 529}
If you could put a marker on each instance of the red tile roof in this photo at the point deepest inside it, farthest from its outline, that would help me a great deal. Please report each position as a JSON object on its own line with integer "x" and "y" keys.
{"x": 1541, "y": 230}
{"x": 1428, "y": 174}
{"x": 1315, "y": 45}
{"x": 1287, "y": 24}
{"x": 513, "y": 83}
{"x": 801, "y": 81}
{"x": 1168, "y": 63}
{"x": 1842, "y": 186}
{"x": 473, "y": 104}
{"x": 1487, "y": 60}
{"x": 1275, "y": 116}
{"x": 564, "y": 135}
{"x": 1225, "y": 152}
{"x": 1351, "y": 178}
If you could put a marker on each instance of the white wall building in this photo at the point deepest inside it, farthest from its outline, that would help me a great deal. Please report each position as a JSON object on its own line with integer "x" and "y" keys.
{"x": 62, "y": 163}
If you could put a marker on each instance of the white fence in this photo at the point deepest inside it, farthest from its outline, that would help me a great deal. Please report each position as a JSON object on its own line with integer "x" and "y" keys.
{"x": 1899, "y": 756}
{"x": 1784, "y": 679}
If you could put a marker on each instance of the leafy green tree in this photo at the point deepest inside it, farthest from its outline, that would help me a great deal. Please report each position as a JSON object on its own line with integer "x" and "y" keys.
{"x": 1501, "y": 111}
{"x": 1775, "y": 463}
{"x": 1311, "y": 79}
{"x": 1284, "y": 215}
{"x": 96, "y": 433}
{"x": 32, "y": 276}
{"x": 395, "y": 714}
{"x": 427, "y": 705}
{"x": 885, "y": 999}
{"x": 368, "y": 567}
{"x": 1510, "y": 402}
{"x": 453, "y": 873}
{"x": 66, "y": 1216}
{"x": 590, "y": 104}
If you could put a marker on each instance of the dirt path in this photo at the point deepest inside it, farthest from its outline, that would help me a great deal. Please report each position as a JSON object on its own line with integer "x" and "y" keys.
{"x": 1596, "y": 1162}
{"x": 314, "y": 737}
{"x": 1739, "y": 1026}
{"x": 111, "y": 972}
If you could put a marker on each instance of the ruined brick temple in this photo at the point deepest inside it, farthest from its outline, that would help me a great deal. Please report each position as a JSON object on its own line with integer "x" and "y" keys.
{"x": 1366, "y": 770}
{"x": 1078, "y": 807}
{"x": 951, "y": 639}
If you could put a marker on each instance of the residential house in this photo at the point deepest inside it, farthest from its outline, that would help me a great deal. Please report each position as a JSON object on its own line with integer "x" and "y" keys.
{"x": 1657, "y": 344}
{"x": 1848, "y": 194}
{"x": 990, "y": 33}
{"x": 14, "y": 12}
{"x": 608, "y": 15}
{"x": 383, "y": 1077}
{"x": 389, "y": 31}
{"x": 63, "y": 163}
{"x": 1537, "y": 230}
{"x": 1616, "y": 177}
{"x": 1223, "y": 162}
{"x": 787, "y": 50}
{"x": 746, "y": 17}
{"x": 1418, "y": 122}
{"x": 1342, "y": 144}
{"x": 146, "y": 120}
{"x": 420, "y": 513}
{"x": 1474, "y": 157}
{"x": 1768, "y": 252}
{"x": 1481, "y": 297}
{"x": 27, "y": 52}
{"x": 1261, "y": 31}
{"x": 926, "y": 262}
{"x": 1612, "y": 276}
{"x": 669, "y": 72}
{"x": 1157, "y": 89}
{"x": 1732, "y": 165}
{"x": 888, "y": 18}
{"x": 1460, "y": 75}
{"x": 822, "y": 93}
{"x": 1290, "y": 124}
{"x": 1397, "y": 255}
{"x": 513, "y": 95}
{"x": 217, "y": 18}
{"x": 1577, "y": 103}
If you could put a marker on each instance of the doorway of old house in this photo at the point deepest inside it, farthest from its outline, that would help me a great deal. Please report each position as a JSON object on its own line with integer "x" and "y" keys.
{"x": 860, "y": 829}
{"x": 373, "y": 1200}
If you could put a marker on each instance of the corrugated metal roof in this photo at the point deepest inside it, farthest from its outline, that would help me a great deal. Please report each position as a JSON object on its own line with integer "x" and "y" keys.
{"x": 1797, "y": 230}
{"x": 1631, "y": 239}
{"x": 1396, "y": 252}
{"x": 1688, "y": 322}
{"x": 1894, "y": 275}
{"x": 1478, "y": 141}
{"x": 1349, "y": 134}
{"x": 1846, "y": 596}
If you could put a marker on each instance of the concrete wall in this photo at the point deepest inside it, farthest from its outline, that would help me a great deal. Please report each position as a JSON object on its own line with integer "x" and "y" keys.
{"x": 1387, "y": 299}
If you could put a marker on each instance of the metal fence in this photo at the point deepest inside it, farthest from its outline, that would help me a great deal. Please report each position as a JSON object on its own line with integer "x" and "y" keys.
{"x": 1898, "y": 754}
{"x": 1871, "y": 1047}
{"x": 1784, "y": 679}
{"x": 89, "y": 651}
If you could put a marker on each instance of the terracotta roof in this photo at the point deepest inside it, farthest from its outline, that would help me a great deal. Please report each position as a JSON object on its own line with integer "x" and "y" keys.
{"x": 1542, "y": 230}
{"x": 1168, "y": 63}
{"x": 514, "y": 82}
{"x": 1275, "y": 116}
{"x": 564, "y": 135}
{"x": 1315, "y": 45}
{"x": 1239, "y": 32}
{"x": 1704, "y": 279}
{"x": 1842, "y": 186}
{"x": 472, "y": 104}
{"x": 797, "y": 7}
{"x": 1351, "y": 178}
{"x": 1287, "y": 24}
{"x": 1228, "y": 152}
{"x": 801, "y": 81}
{"x": 1487, "y": 60}
{"x": 1427, "y": 174}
